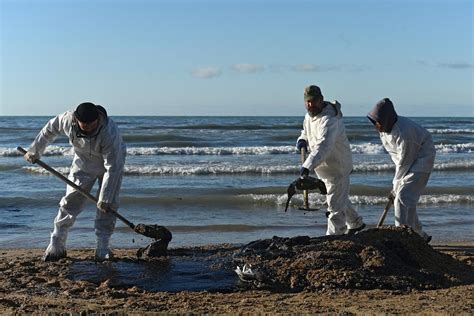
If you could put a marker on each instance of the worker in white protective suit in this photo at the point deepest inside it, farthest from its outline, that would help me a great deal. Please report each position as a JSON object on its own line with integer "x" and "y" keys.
{"x": 412, "y": 150}
{"x": 99, "y": 154}
{"x": 330, "y": 157}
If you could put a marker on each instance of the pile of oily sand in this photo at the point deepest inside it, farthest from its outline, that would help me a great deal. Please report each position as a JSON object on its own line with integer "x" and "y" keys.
{"x": 393, "y": 258}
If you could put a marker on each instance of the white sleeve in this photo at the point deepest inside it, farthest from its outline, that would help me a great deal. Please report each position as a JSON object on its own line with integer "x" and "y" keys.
{"x": 407, "y": 152}
{"x": 328, "y": 129}
{"x": 113, "y": 152}
{"x": 48, "y": 134}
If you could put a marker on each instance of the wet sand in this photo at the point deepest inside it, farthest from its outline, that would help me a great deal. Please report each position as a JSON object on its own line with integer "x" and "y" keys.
{"x": 28, "y": 285}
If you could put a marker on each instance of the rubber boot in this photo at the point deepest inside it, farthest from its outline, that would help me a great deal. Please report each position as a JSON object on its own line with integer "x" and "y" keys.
{"x": 57, "y": 246}
{"x": 103, "y": 251}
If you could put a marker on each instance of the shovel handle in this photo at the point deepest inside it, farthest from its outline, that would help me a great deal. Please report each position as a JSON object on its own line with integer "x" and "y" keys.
{"x": 75, "y": 186}
{"x": 305, "y": 192}
{"x": 391, "y": 198}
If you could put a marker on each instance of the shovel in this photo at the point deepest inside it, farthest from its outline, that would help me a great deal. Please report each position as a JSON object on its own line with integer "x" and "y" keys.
{"x": 305, "y": 206}
{"x": 389, "y": 204}
{"x": 305, "y": 184}
{"x": 305, "y": 192}
{"x": 151, "y": 231}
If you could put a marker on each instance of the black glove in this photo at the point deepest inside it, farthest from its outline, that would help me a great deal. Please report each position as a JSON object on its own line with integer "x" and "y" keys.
{"x": 304, "y": 172}
{"x": 302, "y": 144}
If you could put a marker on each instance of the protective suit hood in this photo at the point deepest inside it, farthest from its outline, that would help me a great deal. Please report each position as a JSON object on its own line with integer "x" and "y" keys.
{"x": 103, "y": 120}
{"x": 336, "y": 106}
{"x": 384, "y": 113}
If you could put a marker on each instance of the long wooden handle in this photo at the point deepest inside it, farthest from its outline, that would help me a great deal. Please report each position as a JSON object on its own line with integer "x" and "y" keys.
{"x": 391, "y": 198}
{"x": 75, "y": 186}
{"x": 305, "y": 192}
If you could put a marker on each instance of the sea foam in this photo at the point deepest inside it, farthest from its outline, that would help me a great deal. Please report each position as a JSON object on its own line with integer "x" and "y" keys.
{"x": 365, "y": 148}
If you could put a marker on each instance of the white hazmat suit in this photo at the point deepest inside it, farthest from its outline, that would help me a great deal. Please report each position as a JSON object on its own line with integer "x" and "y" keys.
{"x": 412, "y": 150}
{"x": 100, "y": 156}
{"x": 330, "y": 157}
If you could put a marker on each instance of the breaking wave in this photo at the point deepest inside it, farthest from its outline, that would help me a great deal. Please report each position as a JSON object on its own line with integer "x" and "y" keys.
{"x": 366, "y": 148}
{"x": 451, "y": 131}
{"x": 231, "y": 169}
{"x": 319, "y": 200}
{"x": 455, "y": 148}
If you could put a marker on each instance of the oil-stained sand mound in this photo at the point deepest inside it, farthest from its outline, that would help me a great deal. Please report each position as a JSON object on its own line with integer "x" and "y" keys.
{"x": 391, "y": 258}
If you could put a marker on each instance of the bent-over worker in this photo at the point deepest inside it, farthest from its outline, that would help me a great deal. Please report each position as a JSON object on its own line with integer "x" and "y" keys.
{"x": 99, "y": 154}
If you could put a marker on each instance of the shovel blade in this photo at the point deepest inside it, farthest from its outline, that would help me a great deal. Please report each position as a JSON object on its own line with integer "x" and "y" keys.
{"x": 290, "y": 192}
{"x": 154, "y": 231}
{"x": 310, "y": 183}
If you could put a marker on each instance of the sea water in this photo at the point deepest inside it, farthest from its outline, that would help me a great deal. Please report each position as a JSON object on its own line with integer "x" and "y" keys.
{"x": 223, "y": 180}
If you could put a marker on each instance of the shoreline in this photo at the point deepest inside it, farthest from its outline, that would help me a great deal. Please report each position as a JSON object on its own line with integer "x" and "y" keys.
{"x": 467, "y": 244}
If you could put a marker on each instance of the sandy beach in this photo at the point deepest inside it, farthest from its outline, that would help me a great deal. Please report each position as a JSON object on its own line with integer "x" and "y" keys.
{"x": 236, "y": 157}
{"x": 29, "y": 285}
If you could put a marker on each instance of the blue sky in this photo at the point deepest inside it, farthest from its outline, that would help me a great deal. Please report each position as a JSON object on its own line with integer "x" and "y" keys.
{"x": 236, "y": 57}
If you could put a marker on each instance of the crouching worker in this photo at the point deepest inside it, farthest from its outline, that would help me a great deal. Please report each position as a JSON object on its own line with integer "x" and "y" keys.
{"x": 412, "y": 150}
{"x": 99, "y": 154}
{"x": 331, "y": 158}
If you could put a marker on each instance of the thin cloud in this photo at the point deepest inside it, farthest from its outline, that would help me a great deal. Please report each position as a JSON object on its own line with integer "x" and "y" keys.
{"x": 248, "y": 68}
{"x": 245, "y": 68}
{"x": 206, "y": 72}
{"x": 355, "y": 68}
{"x": 306, "y": 68}
{"x": 323, "y": 68}
{"x": 456, "y": 65}
{"x": 422, "y": 62}
{"x": 279, "y": 68}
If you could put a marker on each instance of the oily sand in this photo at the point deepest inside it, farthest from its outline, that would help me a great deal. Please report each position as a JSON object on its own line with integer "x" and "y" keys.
{"x": 387, "y": 270}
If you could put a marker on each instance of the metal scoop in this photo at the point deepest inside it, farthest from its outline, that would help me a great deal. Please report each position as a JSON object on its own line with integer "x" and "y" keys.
{"x": 304, "y": 183}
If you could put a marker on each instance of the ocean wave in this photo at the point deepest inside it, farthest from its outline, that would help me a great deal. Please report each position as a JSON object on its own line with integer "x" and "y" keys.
{"x": 231, "y": 126}
{"x": 208, "y": 170}
{"x": 8, "y": 167}
{"x": 259, "y": 150}
{"x": 451, "y": 131}
{"x": 366, "y": 148}
{"x": 318, "y": 200}
{"x": 186, "y": 170}
{"x": 52, "y": 150}
{"x": 13, "y": 226}
{"x": 157, "y": 151}
{"x": 158, "y": 138}
{"x": 455, "y": 148}
{"x": 439, "y": 166}
{"x": 17, "y": 128}
{"x": 40, "y": 170}
{"x": 232, "y": 169}
{"x": 278, "y": 199}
